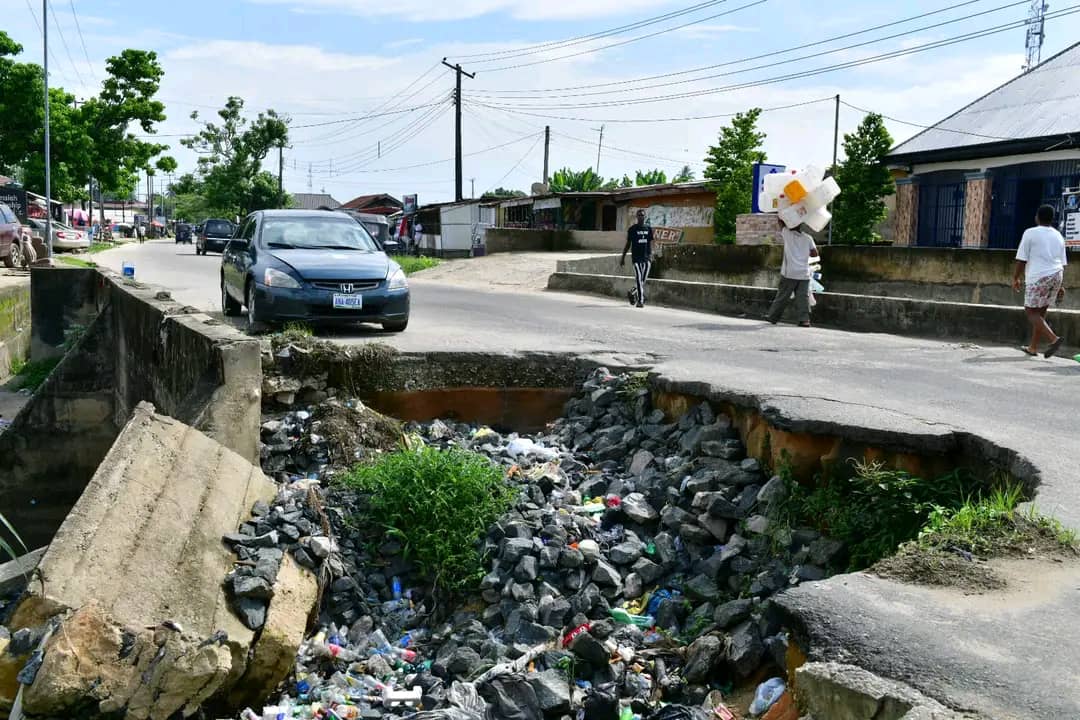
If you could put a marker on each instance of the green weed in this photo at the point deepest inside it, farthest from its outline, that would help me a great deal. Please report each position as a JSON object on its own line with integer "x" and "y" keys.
{"x": 438, "y": 504}
{"x": 411, "y": 264}
{"x": 30, "y": 375}
{"x": 77, "y": 262}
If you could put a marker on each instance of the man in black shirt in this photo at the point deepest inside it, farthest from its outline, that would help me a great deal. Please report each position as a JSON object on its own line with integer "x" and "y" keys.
{"x": 639, "y": 241}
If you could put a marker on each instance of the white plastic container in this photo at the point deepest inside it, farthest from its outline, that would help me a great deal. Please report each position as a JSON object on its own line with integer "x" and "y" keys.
{"x": 818, "y": 219}
{"x": 822, "y": 194}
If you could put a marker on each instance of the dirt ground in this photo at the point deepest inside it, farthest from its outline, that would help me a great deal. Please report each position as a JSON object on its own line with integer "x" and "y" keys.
{"x": 526, "y": 270}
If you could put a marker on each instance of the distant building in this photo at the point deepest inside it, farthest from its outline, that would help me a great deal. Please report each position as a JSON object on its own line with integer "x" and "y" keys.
{"x": 314, "y": 201}
{"x": 976, "y": 178}
{"x": 378, "y": 204}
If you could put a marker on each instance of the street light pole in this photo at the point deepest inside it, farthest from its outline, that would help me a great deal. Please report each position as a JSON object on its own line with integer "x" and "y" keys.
{"x": 48, "y": 160}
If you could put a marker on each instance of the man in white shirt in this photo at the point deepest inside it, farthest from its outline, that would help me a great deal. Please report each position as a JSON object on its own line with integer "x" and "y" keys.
{"x": 1041, "y": 261}
{"x": 795, "y": 275}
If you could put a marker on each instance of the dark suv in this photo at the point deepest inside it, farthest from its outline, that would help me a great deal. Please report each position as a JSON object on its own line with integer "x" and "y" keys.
{"x": 214, "y": 235}
{"x": 10, "y": 238}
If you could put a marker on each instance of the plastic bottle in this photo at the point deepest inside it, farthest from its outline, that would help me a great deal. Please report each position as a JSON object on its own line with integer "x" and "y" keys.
{"x": 379, "y": 642}
{"x": 627, "y": 713}
{"x": 767, "y": 693}
{"x": 395, "y": 586}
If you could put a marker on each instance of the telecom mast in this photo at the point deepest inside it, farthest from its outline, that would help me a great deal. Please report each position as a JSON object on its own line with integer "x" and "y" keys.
{"x": 1036, "y": 33}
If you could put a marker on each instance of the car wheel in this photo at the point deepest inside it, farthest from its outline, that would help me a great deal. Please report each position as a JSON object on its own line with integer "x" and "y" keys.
{"x": 398, "y": 326}
{"x": 15, "y": 257}
{"x": 253, "y": 324}
{"x": 230, "y": 307}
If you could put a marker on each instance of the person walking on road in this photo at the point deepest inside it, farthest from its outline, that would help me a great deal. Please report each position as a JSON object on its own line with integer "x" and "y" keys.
{"x": 795, "y": 274}
{"x": 639, "y": 242}
{"x": 1041, "y": 261}
{"x": 140, "y": 232}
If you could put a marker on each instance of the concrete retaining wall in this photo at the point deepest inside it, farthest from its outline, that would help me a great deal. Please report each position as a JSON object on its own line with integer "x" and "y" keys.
{"x": 130, "y": 345}
{"x": 498, "y": 240}
{"x": 861, "y": 313}
{"x": 14, "y": 325}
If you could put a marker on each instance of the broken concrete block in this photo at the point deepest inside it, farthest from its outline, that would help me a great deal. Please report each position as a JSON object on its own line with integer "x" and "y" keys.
{"x": 142, "y": 546}
{"x": 846, "y": 692}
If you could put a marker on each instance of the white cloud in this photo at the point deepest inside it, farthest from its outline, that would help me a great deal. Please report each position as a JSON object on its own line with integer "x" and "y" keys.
{"x": 276, "y": 58}
{"x": 433, "y": 10}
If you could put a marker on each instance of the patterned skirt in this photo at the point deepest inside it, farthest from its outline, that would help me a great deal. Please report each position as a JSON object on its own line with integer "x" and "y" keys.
{"x": 1043, "y": 291}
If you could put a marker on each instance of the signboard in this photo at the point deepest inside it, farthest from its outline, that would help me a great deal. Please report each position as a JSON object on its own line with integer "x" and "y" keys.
{"x": 1071, "y": 225}
{"x": 667, "y": 236}
{"x": 409, "y": 202}
{"x": 15, "y": 198}
{"x": 547, "y": 204}
{"x": 760, "y": 171}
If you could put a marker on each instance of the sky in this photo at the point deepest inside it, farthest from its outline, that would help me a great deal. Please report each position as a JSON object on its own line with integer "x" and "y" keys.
{"x": 369, "y": 100}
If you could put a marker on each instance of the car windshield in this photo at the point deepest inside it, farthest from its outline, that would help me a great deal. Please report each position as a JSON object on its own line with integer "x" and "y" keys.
{"x": 317, "y": 232}
{"x": 219, "y": 227}
{"x": 379, "y": 231}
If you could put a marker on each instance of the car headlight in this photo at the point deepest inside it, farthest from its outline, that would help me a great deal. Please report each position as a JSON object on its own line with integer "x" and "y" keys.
{"x": 276, "y": 278}
{"x": 397, "y": 280}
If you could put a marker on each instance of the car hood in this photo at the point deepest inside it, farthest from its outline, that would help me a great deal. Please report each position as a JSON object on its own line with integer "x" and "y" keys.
{"x": 334, "y": 264}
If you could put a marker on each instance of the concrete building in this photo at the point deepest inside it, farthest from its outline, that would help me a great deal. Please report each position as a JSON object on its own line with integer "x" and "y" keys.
{"x": 377, "y": 204}
{"x": 680, "y": 213}
{"x": 452, "y": 229}
{"x": 976, "y": 178}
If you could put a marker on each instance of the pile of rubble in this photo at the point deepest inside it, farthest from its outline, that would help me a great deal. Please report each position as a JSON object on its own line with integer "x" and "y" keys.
{"x": 631, "y": 579}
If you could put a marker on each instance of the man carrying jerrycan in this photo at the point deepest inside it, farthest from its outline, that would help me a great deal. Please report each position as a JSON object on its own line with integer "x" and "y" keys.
{"x": 799, "y": 199}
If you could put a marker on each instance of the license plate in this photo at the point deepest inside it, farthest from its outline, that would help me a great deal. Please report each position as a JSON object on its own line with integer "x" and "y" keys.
{"x": 348, "y": 302}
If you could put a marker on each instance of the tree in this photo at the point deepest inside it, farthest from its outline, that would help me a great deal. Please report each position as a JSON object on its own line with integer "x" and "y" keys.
{"x": 567, "y": 180}
{"x": 685, "y": 175}
{"x": 501, "y": 193}
{"x": 864, "y": 183}
{"x": 650, "y": 177}
{"x": 232, "y": 153}
{"x": 729, "y": 169}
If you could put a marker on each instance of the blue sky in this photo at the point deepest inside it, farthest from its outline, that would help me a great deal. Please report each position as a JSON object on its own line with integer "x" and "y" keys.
{"x": 335, "y": 61}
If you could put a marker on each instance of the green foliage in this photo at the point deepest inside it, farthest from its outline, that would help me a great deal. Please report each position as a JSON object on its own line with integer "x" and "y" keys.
{"x": 411, "y": 264}
{"x": 501, "y": 193}
{"x": 650, "y": 177}
{"x": 872, "y": 512}
{"x": 30, "y": 375}
{"x": 76, "y": 261}
{"x": 231, "y": 152}
{"x": 729, "y": 168}
{"x": 438, "y": 504}
{"x": 685, "y": 175}
{"x": 864, "y": 183}
{"x": 567, "y": 180}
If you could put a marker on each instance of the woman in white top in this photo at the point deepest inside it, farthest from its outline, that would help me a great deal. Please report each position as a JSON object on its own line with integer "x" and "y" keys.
{"x": 1041, "y": 261}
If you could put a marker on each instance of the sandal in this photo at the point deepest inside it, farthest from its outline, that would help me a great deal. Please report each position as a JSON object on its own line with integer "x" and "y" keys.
{"x": 1052, "y": 350}
{"x": 1027, "y": 352}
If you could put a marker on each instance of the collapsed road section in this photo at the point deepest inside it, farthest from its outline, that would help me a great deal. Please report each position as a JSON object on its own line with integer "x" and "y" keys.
{"x": 519, "y": 536}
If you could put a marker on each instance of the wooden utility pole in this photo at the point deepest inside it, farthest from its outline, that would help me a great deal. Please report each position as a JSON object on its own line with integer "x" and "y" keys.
{"x": 835, "y": 147}
{"x": 280, "y": 172}
{"x": 599, "y": 146}
{"x": 48, "y": 160}
{"x": 458, "y": 178}
{"x": 547, "y": 150}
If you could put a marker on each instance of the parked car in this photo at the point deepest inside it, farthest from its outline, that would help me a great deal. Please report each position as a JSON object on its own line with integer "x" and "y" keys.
{"x": 64, "y": 236}
{"x": 214, "y": 235}
{"x": 316, "y": 266}
{"x": 11, "y": 234}
{"x": 183, "y": 233}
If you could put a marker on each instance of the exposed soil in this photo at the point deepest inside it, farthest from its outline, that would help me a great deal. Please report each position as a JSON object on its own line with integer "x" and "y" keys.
{"x": 352, "y": 431}
{"x": 952, "y": 566}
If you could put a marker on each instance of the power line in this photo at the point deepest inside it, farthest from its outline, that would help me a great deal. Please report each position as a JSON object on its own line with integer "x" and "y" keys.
{"x": 533, "y": 49}
{"x": 416, "y": 128}
{"x": 627, "y": 41}
{"x": 516, "y": 165}
{"x": 64, "y": 41}
{"x": 808, "y": 73}
{"x": 800, "y": 58}
{"x": 646, "y": 120}
{"x": 924, "y": 127}
{"x": 609, "y": 146}
{"x": 745, "y": 59}
{"x": 56, "y": 65}
{"x": 82, "y": 41}
{"x": 375, "y": 146}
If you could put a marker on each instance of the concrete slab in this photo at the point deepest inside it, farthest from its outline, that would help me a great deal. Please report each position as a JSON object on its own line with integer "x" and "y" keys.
{"x": 144, "y": 540}
{"x": 14, "y": 574}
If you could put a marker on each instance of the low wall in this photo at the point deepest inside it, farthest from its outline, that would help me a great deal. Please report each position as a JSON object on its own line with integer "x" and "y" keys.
{"x": 860, "y": 313}
{"x": 732, "y": 264}
{"x": 14, "y": 325}
{"x": 138, "y": 346}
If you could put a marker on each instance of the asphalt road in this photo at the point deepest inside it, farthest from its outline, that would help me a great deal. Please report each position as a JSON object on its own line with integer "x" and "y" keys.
{"x": 999, "y": 658}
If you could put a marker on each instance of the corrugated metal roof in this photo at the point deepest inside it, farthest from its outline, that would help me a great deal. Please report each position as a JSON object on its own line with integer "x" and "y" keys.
{"x": 314, "y": 201}
{"x": 1044, "y": 102}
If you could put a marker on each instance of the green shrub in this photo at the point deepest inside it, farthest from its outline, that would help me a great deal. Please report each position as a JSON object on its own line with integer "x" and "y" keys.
{"x": 872, "y": 512}
{"x": 439, "y": 504}
{"x": 411, "y": 264}
{"x": 31, "y": 375}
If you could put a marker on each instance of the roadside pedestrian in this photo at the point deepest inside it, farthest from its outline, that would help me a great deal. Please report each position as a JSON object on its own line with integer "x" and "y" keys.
{"x": 639, "y": 242}
{"x": 795, "y": 274}
{"x": 140, "y": 232}
{"x": 1041, "y": 261}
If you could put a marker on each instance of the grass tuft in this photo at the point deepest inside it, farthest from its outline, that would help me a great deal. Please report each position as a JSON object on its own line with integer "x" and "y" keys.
{"x": 411, "y": 264}
{"x": 30, "y": 375}
{"x": 438, "y": 504}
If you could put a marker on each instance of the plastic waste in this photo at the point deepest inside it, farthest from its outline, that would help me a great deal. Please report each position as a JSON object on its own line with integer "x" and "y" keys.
{"x": 766, "y": 695}
{"x": 127, "y": 269}
{"x": 524, "y": 447}
{"x": 620, "y": 615}
{"x": 601, "y": 703}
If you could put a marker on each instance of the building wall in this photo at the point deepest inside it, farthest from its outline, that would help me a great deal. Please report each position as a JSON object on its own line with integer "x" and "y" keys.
{"x": 756, "y": 229}
{"x": 906, "y": 226}
{"x": 693, "y": 214}
{"x": 977, "y": 207}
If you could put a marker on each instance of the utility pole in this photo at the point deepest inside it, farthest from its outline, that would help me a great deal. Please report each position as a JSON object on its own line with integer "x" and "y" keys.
{"x": 458, "y": 193}
{"x": 547, "y": 150}
{"x": 835, "y": 147}
{"x": 280, "y": 172}
{"x": 48, "y": 160}
{"x": 472, "y": 184}
{"x": 599, "y": 145}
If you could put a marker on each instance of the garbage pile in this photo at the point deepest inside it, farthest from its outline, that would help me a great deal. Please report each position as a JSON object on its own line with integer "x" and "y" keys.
{"x": 631, "y": 580}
